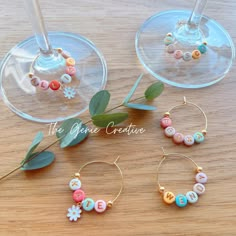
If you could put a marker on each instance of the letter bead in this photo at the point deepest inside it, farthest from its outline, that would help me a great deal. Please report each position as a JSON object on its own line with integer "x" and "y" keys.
{"x": 196, "y": 54}
{"x": 70, "y": 70}
{"x": 78, "y": 195}
{"x": 198, "y": 137}
{"x": 192, "y": 197}
{"x": 202, "y": 48}
{"x": 70, "y": 61}
{"x": 88, "y": 204}
{"x": 100, "y": 206}
{"x": 75, "y": 184}
{"x": 165, "y": 122}
{"x": 66, "y": 79}
{"x": 181, "y": 200}
{"x": 169, "y": 197}
{"x": 187, "y": 56}
{"x": 199, "y": 188}
{"x": 178, "y": 54}
{"x": 178, "y": 138}
{"x": 168, "y": 40}
{"x": 169, "y": 131}
{"x": 44, "y": 84}
{"x": 54, "y": 85}
{"x": 171, "y": 48}
{"x": 35, "y": 81}
{"x": 188, "y": 140}
{"x": 201, "y": 178}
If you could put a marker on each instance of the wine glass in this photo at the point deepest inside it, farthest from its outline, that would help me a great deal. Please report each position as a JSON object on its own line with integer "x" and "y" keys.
{"x": 186, "y": 31}
{"x": 36, "y": 81}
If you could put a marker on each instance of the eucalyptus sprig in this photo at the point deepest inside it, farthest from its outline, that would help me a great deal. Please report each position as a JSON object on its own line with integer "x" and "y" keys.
{"x": 73, "y": 131}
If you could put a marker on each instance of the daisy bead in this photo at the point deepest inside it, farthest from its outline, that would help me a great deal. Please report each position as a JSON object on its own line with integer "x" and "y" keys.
{"x": 100, "y": 206}
{"x": 165, "y": 122}
{"x": 201, "y": 178}
{"x": 78, "y": 195}
{"x": 168, "y": 40}
{"x": 178, "y": 54}
{"x": 178, "y": 138}
{"x": 169, "y": 131}
{"x": 70, "y": 70}
{"x": 44, "y": 84}
{"x": 196, "y": 54}
{"x": 188, "y": 140}
{"x": 199, "y": 188}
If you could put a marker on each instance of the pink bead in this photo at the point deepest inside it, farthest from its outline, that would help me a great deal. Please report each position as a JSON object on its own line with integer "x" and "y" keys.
{"x": 178, "y": 138}
{"x": 178, "y": 54}
{"x": 100, "y": 206}
{"x": 44, "y": 84}
{"x": 201, "y": 178}
{"x": 78, "y": 195}
{"x": 188, "y": 140}
{"x": 70, "y": 70}
{"x": 165, "y": 122}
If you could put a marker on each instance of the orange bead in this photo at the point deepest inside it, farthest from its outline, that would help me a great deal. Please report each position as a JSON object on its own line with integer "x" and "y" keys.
{"x": 54, "y": 85}
{"x": 196, "y": 54}
{"x": 70, "y": 61}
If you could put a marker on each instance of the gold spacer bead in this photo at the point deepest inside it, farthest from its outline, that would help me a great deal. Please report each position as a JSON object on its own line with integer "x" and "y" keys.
{"x": 204, "y": 132}
{"x": 59, "y": 50}
{"x": 31, "y": 75}
{"x": 199, "y": 169}
{"x": 161, "y": 190}
{"x": 109, "y": 204}
{"x": 169, "y": 34}
{"x": 167, "y": 114}
{"x": 205, "y": 43}
{"x": 77, "y": 175}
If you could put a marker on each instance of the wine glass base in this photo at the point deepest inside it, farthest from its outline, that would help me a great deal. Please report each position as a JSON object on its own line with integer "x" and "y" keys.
{"x": 203, "y": 72}
{"x": 37, "y": 105}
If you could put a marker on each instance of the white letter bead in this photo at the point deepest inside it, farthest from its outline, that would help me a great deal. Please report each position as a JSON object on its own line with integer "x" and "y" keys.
{"x": 169, "y": 131}
{"x": 100, "y": 206}
{"x": 201, "y": 178}
{"x": 188, "y": 140}
{"x": 199, "y": 188}
{"x": 75, "y": 184}
{"x": 192, "y": 197}
{"x": 66, "y": 79}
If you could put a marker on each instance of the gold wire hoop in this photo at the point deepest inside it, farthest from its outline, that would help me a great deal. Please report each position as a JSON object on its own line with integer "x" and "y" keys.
{"x": 109, "y": 163}
{"x": 185, "y": 102}
{"x": 164, "y": 157}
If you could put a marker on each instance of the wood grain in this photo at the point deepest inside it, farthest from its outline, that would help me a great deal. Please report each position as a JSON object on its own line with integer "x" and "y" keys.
{"x": 36, "y": 203}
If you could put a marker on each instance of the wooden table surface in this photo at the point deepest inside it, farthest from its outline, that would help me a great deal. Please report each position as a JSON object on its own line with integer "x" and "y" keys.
{"x": 36, "y": 203}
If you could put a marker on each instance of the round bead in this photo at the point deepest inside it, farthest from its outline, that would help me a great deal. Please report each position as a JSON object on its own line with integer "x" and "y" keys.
{"x": 188, "y": 140}
{"x": 167, "y": 114}
{"x": 162, "y": 190}
{"x": 88, "y": 204}
{"x": 75, "y": 184}
{"x": 187, "y": 56}
{"x": 169, "y": 34}
{"x": 202, "y": 48}
{"x": 70, "y": 70}
{"x": 199, "y": 188}
{"x": 196, "y": 54}
{"x": 181, "y": 200}
{"x": 178, "y": 138}
{"x": 109, "y": 204}
{"x": 201, "y": 178}
{"x": 199, "y": 169}
{"x": 178, "y": 54}
{"x": 171, "y": 48}
{"x": 44, "y": 84}
{"x": 78, "y": 195}
{"x": 204, "y": 132}
{"x": 168, "y": 40}
{"x": 165, "y": 122}
{"x": 77, "y": 175}
{"x": 169, "y": 197}
{"x": 192, "y": 197}
{"x": 198, "y": 137}
{"x": 100, "y": 206}
{"x": 66, "y": 79}
{"x": 54, "y": 85}
{"x": 35, "y": 81}
{"x": 169, "y": 131}
{"x": 70, "y": 61}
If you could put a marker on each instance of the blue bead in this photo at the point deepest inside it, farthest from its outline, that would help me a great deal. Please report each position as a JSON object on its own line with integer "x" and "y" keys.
{"x": 181, "y": 200}
{"x": 202, "y": 48}
{"x": 88, "y": 204}
{"x": 199, "y": 137}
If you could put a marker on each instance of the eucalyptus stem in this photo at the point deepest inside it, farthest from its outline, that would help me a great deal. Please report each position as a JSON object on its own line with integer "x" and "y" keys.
{"x": 57, "y": 140}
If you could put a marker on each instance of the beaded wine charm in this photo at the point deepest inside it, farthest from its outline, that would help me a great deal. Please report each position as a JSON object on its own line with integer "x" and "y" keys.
{"x": 181, "y": 200}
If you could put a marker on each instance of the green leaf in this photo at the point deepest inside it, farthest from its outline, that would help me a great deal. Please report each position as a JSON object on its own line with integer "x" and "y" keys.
{"x": 42, "y": 160}
{"x": 140, "y": 106}
{"x": 36, "y": 141}
{"x": 68, "y": 131}
{"x": 131, "y": 92}
{"x": 83, "y": 132}
{"x": 154, "y": 90}
{"x": 99, "y": 102}
{"x": 104, "y": 120}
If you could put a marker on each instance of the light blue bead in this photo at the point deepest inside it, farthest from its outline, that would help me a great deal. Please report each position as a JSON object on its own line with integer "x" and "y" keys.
{"x": 66, "y": 78}
{"x": 202, "y": 48}
{"x": 199, "y": 137}
{"x": 181, "y": 200}
{"x": 168, "y": 40}
{"x": 88, "y": 204}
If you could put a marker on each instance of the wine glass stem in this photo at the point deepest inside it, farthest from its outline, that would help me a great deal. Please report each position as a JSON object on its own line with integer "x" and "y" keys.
{"x": 196, "y": 16}
{"x": 35, "y": 15}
